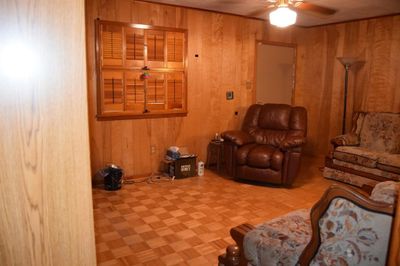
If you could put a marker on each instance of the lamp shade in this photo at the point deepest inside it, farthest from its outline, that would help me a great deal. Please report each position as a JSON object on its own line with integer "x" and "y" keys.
{"x": 282, "y": 17}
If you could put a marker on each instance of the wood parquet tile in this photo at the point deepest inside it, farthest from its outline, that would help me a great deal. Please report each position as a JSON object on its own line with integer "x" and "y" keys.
{"x": 187, "y": 221}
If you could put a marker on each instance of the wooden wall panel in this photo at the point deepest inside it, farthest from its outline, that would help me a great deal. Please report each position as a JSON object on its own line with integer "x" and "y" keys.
{"x": 373, "y": 83}
{"x": 45, "y": 185}
{"x": 225, "y": 46}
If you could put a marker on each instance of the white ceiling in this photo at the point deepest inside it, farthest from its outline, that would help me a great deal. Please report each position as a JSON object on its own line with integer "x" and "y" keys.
{"x": 346, "y": 9}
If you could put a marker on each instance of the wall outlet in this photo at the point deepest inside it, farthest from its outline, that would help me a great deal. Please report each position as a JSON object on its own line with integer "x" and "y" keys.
{"x": 152, "y": 149}
{"x": 229, "y": 95}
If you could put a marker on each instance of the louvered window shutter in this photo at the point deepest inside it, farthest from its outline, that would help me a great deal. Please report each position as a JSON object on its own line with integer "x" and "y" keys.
{"x": 175, "y": 49}
{"x": 123, "y": 52}
{"x": 134, "y": 39}
{"x": 111, "y": 45}
{"x": 155, "y": 48}
{"x": 113, "y": 91}
{"x": 175, "y": 85}
{"x": 134, "y": 91}
{"x": 156, "y": 91}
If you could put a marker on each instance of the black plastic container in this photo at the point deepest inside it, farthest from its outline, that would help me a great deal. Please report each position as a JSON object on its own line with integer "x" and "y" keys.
{"x": 113, "y": 177}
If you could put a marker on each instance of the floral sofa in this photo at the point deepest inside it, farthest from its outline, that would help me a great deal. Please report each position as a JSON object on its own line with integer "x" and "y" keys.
{"x": 346, "y": 227}
{"x": 369, "y": 154}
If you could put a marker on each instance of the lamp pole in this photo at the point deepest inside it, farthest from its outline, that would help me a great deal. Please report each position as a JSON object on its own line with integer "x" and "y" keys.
{"x": 346, "y": 80}
{"x": 346, "y": 62}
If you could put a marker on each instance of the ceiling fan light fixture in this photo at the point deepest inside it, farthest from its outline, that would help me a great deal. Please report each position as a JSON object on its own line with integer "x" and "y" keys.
{"x": 282, "y": 17}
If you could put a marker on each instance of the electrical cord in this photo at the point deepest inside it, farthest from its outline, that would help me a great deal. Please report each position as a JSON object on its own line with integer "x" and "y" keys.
{"x": 153, "y": 178}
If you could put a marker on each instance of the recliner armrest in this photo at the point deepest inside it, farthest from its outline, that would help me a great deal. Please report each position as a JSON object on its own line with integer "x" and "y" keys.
{"x": 349, "y": 139}
{"x": 238, "y": 137}
{"x": 292, "y": 142}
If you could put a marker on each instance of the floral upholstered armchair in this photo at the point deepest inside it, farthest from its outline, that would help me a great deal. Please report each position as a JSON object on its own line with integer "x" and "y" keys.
{"x": 346, "y": 227}
{"x": 369, "y": 153}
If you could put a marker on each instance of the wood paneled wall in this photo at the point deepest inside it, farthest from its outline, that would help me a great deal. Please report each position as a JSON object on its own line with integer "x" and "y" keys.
{"x": 226, "y": 48}
{"x": 374, "y": 83}
{"x": 45, "y": 187}
{"x": 225, "y": 45}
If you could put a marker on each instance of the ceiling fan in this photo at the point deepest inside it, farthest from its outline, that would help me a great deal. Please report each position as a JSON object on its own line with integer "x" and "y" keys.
{"x": 284, "y": 13}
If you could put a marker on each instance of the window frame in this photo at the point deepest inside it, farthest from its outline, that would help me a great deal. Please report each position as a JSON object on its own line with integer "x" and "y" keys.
{"x": 126, "y": 70}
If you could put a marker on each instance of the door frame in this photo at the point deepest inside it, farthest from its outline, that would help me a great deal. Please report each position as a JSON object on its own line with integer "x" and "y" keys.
{"x": 284, "y": 44}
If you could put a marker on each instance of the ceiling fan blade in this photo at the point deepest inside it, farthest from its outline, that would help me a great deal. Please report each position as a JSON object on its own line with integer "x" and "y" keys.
{"x": 315, "y": 8}
{"x": 259, "y": 12}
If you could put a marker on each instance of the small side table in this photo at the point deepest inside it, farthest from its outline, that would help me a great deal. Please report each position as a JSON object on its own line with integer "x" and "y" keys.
{"x": 215, "y": 154}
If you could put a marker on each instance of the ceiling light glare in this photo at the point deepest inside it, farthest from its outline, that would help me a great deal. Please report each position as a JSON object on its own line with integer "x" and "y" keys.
{"x": 18, "y": 60}
{"x": 282, "y": 17}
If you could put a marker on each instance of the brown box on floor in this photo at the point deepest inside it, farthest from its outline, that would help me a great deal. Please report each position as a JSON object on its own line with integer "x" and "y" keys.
{"x": 182, "y": 167}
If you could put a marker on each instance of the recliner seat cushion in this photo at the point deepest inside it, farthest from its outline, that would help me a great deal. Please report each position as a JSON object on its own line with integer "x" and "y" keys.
{"x": 243, "y": 152}
{"x": 260, "y": 156}
{"x": 357, "y": 155}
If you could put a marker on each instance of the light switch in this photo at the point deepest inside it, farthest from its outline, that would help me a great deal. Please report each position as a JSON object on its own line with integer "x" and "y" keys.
{"x": 229, "y": 95}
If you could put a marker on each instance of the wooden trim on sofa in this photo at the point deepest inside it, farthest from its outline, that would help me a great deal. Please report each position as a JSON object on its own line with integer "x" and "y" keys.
{"x": 358, "y": 197}
{"x": 394, "y": 249}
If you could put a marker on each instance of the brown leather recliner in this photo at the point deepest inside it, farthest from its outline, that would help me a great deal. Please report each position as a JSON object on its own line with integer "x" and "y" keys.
{"x": 268, "y": 148}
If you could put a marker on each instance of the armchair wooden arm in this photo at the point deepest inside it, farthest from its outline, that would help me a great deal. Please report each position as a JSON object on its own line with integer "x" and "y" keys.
{"x": 234, "y": 253}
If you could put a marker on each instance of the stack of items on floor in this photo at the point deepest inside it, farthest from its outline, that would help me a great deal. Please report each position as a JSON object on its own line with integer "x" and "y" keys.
{"x": 370, "y": 153}
{"x": 179, "y": 163}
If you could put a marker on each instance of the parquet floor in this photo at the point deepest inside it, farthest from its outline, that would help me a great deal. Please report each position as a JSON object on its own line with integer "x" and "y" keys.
{"x": 187, "y": 221}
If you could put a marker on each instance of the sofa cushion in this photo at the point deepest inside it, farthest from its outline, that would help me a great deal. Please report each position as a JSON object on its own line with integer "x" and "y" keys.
{"x": 357, "y": 155}
{"x": 389, "y": 162}
{"x": 279, "y": 241}
{"x": 381, "y": 132}
{"x": 348, "y": 178}
{"x": 374, "y": 171}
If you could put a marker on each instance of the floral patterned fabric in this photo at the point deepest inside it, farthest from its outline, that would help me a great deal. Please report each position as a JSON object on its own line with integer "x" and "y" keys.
{"x": 348, "y": 178}
{"x": 374, "y": 171}
{"x": 279, "y": 241}
{"x": 385, "y": 192}
{"x": 350, "y": 139}
{"x": 351, "y": 235}
{"x": 381, "y": 132}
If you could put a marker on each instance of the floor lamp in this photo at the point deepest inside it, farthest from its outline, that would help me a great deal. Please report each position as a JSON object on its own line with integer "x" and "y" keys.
{"x": 346, "y": 62}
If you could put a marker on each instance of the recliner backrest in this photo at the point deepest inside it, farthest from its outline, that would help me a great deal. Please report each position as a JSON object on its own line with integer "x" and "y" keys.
{"x": 272, "y": 123}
